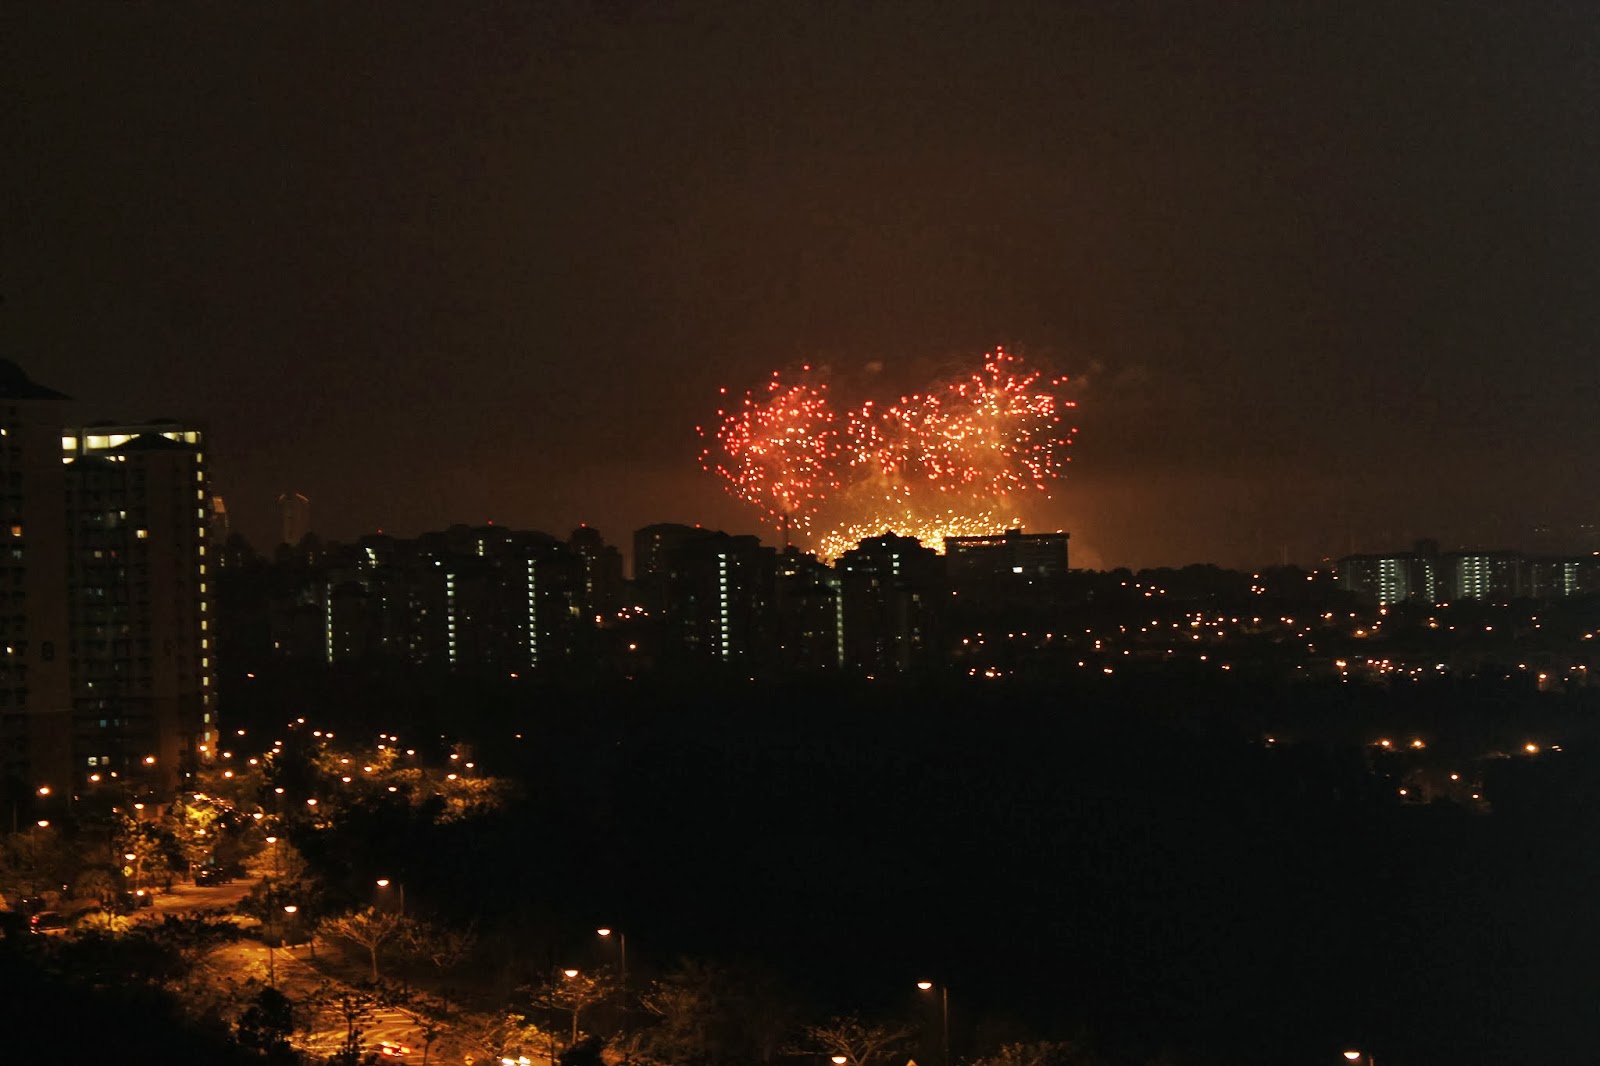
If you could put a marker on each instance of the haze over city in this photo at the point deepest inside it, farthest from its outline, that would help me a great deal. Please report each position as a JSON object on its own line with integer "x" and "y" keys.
{"x": 1321, "y": 276}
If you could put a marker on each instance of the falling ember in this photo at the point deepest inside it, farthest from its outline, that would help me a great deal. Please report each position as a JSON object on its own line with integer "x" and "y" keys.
{"x": 939, "y": 463}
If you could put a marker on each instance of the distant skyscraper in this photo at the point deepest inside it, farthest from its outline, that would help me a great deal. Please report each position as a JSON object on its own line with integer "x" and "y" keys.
{"x": 295, "y": 511}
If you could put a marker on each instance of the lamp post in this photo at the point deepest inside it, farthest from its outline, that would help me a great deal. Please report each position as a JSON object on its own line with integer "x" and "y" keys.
{"x": 383, "y": 882}
{"x": 1364, "y": 1057}
{"x": 272, "y": 955}
{"x": 944, "y": 1013}
{"x": 622, "y": 955}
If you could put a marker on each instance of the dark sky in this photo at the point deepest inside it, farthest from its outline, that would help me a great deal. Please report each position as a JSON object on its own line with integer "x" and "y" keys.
{"x": 1324, "y": 274}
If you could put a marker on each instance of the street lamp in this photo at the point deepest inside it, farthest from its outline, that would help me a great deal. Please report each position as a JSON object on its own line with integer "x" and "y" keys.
{"x": 383, "y": 882}
{"x": 944, "y": 1012}
{"x": 622, "y": 954}
{"x": 1358, "y": 1056}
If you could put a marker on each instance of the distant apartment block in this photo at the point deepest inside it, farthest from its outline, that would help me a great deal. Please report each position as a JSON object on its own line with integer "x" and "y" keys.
{"x": 1427, "y": 575}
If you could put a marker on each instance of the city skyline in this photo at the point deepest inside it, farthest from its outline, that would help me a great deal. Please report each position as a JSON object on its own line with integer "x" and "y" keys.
{"x": 1321, "y": 279}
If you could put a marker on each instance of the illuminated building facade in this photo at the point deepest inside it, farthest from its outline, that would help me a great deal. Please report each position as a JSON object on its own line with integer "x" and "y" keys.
{"x": 1428, "y": 576}
{"x": 1492, "y": 576}
{"x": 139, "y": 582}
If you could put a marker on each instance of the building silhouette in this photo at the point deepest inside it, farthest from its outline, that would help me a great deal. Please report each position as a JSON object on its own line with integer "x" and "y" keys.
{"x": 294, "y": 515}
{"x": 35, "y": 682}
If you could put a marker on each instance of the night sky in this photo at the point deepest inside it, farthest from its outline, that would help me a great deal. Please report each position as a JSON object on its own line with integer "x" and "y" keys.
{"x": 1324, "y": 275}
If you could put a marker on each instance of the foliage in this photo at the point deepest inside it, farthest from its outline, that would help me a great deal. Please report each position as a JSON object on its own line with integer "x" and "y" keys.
{"x": 96, "y": 882}
{"x": 188, "y": 938}
{"x": 103, "y": 921}
{"x": 33, "y": 862}
{"x": 861, "y": 1043}
{"x": 572, "y": 995}
{"x": 507, "y": 1034}
{"x": 354, "y": 1007}
{"x": 442, "y": 947}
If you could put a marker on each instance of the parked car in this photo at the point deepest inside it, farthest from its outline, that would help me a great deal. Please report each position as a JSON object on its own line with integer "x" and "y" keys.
{"x": 48, "y": 922}
{"x": 211, "y": 876}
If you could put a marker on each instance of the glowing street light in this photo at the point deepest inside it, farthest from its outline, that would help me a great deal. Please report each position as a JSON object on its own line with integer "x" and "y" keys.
{"x": 944, "y": 1012}
{"x": 569, "y": 973}
{"x": 622, "y": 954}
{"x": 1360, "y": 1056}
{"x": 383, "y": 882}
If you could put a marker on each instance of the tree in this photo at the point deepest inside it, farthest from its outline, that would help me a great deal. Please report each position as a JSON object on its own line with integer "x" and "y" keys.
{"x": 861, "y": 1043}
{"x": 712, "y": 1014}
{"x": 441, "y": 947}
{"x": 34, "y": 862}
{"x": 572, "y": 992}
{"x": 1042, "y": 1053}
{"x": 353, "y": 1007}
{"x": 267, "y": 1022}
{"x": 370, "y": 929}
{"x": 508, "y": 1034}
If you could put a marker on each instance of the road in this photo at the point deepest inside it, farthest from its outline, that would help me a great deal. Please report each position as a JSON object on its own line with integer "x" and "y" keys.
{"x": 185, "y": 899}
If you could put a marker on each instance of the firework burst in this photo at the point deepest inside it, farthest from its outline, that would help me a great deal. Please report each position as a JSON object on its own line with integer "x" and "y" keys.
{"x": 778, "y": 449}
{"x": 944, "y": 462}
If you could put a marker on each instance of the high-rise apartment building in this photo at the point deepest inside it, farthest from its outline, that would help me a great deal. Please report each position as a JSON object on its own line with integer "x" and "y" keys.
{"x": 138, "y": 583}
{"x": 891, "y": 589}
{"x": 35, "y": 682}
{"x": 105, "y": 619}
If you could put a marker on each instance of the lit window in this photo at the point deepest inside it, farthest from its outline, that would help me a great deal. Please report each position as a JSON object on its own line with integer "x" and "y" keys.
{"x": 142, "y": 534}
{"x": 16, "y": 529}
